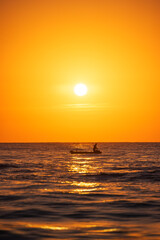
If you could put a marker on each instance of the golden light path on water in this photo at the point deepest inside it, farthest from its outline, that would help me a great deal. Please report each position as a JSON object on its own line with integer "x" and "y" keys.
{"x": 87, "y": 228}
{"x": 66, "y": 226}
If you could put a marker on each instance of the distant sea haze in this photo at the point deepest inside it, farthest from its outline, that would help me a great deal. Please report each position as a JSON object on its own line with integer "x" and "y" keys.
{"x": 48, "y": 193}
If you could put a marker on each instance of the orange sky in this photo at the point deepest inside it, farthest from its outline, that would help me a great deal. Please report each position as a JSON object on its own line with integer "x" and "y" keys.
{"x": 49, "y": 46}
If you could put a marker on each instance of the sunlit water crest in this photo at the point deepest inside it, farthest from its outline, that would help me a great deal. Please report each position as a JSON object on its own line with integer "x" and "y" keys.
{"x": 48, "y": 193}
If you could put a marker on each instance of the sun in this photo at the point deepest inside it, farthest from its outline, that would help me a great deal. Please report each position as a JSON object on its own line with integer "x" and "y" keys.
{"x": 80, "y": 89}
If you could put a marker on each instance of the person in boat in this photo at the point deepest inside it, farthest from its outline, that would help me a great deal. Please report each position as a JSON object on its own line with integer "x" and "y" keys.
{"x": 95, "y": 149}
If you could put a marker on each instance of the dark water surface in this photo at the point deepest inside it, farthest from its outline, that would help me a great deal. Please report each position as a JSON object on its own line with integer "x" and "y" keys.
{"x": 47, "y": 193}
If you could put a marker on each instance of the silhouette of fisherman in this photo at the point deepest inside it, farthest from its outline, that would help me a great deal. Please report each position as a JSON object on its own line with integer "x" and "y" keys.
{"x": 95, "y": 149}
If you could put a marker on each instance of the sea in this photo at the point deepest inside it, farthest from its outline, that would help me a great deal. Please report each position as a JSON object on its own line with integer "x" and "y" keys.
{"x": 48, "y": 193}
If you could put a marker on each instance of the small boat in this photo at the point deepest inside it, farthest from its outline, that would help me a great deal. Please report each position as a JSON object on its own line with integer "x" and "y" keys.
{"x": 82, "y": 151}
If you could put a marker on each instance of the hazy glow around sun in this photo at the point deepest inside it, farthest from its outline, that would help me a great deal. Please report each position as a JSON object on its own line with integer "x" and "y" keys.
{"x": 80, "y": 89}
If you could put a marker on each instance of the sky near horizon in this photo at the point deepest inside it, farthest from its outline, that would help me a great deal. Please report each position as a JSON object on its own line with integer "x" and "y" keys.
{"x": 50, "y": 46}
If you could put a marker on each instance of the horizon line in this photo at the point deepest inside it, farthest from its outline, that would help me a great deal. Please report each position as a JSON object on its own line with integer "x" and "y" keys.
{"x": 87, "y": 142}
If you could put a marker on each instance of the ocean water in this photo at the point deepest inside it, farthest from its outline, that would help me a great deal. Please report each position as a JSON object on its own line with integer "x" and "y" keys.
{"x": 48, "y": 193}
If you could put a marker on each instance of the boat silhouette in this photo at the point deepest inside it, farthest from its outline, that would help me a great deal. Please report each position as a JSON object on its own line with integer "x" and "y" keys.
{"x": 82, "y": 151}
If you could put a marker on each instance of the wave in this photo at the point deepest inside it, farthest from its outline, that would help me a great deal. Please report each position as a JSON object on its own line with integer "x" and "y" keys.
{"x": 7, "y": 165}
{"x": 152, "y": 175}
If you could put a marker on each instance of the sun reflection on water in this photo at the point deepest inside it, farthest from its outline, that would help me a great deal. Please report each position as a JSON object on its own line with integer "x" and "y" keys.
{"x": 84, "y": 187}
{"x": 112, "y": 229}
{"x": 97, "y": 227}
{"x": 82, "y": 165}
{"x": 85, "y": 184}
